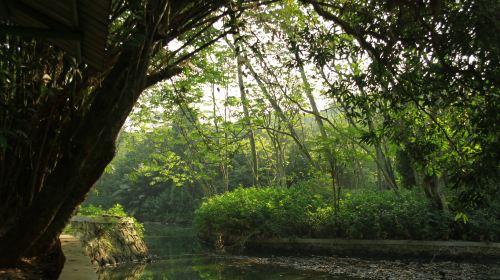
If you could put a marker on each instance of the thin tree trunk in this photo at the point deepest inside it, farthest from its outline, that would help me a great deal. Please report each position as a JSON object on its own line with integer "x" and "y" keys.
{"x": 279, "y": 158}
{"x": 431, "y": 188}
{"x": 245, "y": 103}
{"x": 382, "y": 161}
{"x": 225, "y": 166}
{"x": 277, "y": 108}
{"x": 319, "y": 121}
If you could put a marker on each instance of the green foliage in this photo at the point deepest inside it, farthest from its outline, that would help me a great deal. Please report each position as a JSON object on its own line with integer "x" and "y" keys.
{"x": 139, "y": 228}
{"x": 438, "y": 93}
{"x": 301, "y": 212}
{"x": 400, "y": 105}
{"x": 69, "y": 230}
{"x": 91, "y": 211}
{"x": 262, "y": 211}
{"x": 150, "y": 179}
{"x": 94, "y": 211}
{"x": 115, "y": 211}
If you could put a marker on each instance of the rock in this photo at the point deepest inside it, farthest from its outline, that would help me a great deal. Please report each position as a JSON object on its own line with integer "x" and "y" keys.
{"x": 110, "y": 240}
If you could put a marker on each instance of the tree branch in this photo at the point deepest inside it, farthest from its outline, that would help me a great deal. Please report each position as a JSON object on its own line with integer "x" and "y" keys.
{"x": 161, "y": 75}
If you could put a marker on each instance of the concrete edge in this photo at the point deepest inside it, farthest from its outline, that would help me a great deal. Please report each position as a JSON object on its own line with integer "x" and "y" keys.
{"x": 339, "y": 241}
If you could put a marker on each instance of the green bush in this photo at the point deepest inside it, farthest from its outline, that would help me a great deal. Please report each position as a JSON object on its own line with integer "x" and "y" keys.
{"x": 301, "y": 212}
{"x": 251, "y": 211}
{"x": 90, "y": 211}
{"x": 115, "y": 211}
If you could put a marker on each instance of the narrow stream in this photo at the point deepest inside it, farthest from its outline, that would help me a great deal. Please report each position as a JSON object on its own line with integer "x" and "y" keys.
{"x": 181, "y": 257}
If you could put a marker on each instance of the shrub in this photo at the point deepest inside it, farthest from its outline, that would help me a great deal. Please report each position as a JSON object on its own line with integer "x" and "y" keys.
{"x": 116, "y": 211}
{"x": 263, "y": 211}
{"x": 301, "y": 212}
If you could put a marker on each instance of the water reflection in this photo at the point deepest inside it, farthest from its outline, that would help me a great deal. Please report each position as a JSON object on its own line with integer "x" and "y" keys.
{"x": 124, "y": 272}
{"x": 208, "y": 268}
{"x": 182, "y": 258}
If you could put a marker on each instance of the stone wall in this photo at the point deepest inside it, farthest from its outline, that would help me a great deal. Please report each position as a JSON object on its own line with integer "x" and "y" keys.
{"x": 110, "y": 240}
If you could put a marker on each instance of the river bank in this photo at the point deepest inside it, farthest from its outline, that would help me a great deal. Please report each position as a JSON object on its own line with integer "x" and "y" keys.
{"x": 181, "y": 257}
{"x": 391, "y": 249}
{"x": 357, "y": 268}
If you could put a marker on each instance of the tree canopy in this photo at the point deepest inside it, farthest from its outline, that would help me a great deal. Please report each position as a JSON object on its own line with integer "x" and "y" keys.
{"x": 347, "y": 94}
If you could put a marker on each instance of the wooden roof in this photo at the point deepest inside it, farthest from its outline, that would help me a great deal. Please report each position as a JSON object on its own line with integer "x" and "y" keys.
{"x": 80, "y": 27}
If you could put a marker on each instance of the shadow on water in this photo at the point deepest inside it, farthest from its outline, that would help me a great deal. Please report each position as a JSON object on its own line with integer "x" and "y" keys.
{"x": 181, "y": 257}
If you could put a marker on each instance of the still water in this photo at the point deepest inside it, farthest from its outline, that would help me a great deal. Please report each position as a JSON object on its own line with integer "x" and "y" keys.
{"x": 181, "y": 257}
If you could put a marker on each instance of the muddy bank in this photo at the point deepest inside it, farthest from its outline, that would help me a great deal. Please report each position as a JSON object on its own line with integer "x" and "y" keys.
{"x": 358, "y": 268}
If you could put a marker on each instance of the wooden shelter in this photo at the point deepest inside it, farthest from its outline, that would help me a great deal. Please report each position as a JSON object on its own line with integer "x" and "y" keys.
{"x": 79, "y": 27}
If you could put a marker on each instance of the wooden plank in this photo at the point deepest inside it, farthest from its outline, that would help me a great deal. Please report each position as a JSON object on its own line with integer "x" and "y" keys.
{"x": 78, "y": 27}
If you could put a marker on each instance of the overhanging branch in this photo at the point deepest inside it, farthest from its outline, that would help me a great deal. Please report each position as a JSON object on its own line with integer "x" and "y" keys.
{"x": 161, "y": 75}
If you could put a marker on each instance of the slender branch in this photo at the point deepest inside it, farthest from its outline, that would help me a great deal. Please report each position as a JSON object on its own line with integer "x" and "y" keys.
{"x": 275, "y": 130}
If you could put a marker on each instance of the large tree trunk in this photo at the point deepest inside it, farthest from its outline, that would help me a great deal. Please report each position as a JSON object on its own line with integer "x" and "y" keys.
{"x": 89, "y": 149}
{"x": 61, "y": 137}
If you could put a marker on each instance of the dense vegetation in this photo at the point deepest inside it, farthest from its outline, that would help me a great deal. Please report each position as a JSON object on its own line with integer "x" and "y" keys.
{"x": 302, "y": 212}
{"x": 301, "y": 93}
{"x": 395, "y": 100}
{"x": 59, "y": 118}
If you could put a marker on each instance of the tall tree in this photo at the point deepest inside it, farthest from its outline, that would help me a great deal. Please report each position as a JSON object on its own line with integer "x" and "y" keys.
{"x": 319, "y": 121}
{"x": 435, "y": 55}
{"x": 245, "y": 104}
{"x": 58, "y": 136}
{"x": 277, "y": 108}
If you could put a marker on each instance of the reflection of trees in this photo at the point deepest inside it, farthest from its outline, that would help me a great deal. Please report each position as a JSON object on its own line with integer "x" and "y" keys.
{"x": 209, "y": 272}
{"x": 171, "y": 247}
{"x": 180, "y": 269}
{"x": 196, "y": 268}
{"x": 123, "y": 272}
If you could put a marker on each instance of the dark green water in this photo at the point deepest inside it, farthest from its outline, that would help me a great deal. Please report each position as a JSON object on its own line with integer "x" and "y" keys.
{"x": 183, "y": 258}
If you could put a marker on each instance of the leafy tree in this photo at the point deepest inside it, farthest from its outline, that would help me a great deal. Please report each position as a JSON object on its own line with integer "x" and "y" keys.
{"x": 58, "y": 136}
{"x": 438, "y": 59}
{"x": 410, "y": 82}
